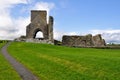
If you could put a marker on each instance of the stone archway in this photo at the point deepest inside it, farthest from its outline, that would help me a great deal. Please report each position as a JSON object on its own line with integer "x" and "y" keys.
{"x": 36, "y": 32}
{"x": 39, "y": 23}
{"x": 39, "y": 35}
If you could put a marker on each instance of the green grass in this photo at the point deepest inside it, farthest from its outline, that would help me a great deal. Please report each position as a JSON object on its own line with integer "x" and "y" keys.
{"x": 6, "y": 71}
{"x": 51, "y": 62}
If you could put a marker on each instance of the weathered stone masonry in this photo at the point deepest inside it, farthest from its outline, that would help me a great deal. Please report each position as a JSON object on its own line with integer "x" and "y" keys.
{"x": 83, "y": 41}
{"x": 39, "y": 23}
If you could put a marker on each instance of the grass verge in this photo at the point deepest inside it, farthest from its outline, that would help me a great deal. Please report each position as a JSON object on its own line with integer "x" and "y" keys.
{"x": 6, "y": 70}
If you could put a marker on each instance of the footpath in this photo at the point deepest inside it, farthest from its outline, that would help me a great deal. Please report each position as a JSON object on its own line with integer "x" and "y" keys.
{"x": 24, "y": 73}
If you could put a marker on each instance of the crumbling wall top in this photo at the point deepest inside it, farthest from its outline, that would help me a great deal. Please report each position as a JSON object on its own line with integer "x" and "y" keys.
{"x": 35, "y": 13}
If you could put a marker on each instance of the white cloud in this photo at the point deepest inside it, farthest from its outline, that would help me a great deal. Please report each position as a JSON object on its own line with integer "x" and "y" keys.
{"x": 10, "y": 3}
{"x": 15, "y": 29}
{"x": 10, "y": 27}
{"x": 111, "y": 36}
{"x": 105, "y": 31}
{"x": 58, "y": 34}
{"x": 44, "y": 6}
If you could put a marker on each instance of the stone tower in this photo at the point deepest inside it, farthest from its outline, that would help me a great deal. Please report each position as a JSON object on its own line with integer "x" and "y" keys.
{"x": 39, "y": 23}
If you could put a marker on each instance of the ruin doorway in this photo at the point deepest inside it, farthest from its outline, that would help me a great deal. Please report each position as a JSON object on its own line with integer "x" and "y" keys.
{"x": 38, "y": 34}
{"x": 39, "y": 24}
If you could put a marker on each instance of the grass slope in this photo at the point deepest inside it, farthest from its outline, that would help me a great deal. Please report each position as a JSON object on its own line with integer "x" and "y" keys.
{"x": 50, "y": 62}
{"x": 6, "y": 71}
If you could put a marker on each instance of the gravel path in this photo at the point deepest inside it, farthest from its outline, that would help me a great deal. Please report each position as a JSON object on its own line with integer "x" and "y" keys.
{"x": 22, "y": 71}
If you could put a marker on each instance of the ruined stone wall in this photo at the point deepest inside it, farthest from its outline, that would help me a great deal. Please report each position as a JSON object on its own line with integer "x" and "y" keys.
{"x": 50, "y": 28}
{"x": 39, "y": 41}
{"x": 35, "y": 13}
{"x": 83, "y": 41}
{"x": 39, "y": 23}
{"x": 98, "y": 41}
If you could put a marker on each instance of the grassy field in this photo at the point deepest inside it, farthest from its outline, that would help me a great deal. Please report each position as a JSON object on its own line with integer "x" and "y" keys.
{"x": 6, "y": 71}
{"x": 50, "y": 62}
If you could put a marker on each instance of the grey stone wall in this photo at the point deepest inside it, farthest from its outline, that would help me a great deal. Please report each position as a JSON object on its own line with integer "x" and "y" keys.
{"x": 39, "y": 23}
{"x": 98, "y": 41}
{"x": 83, "y": 41}
{"x": 50, "y": 28}
{"x": 39, "y": 41}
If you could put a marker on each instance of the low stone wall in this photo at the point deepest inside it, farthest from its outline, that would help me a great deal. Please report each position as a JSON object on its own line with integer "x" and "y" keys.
{"x": 83, "y": 41}
{"x": 34, "y": 40}
{"x": 39, "y": 41}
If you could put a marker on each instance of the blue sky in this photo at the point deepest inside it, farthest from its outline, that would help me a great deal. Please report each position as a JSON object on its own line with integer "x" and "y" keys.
{"x": 80, "y": 15}
{"x": 71, "y": 16}
{"x": 85, "y": 15}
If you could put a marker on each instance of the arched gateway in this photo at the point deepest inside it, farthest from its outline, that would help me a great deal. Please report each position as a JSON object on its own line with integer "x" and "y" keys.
{"x": 39, "y": 23}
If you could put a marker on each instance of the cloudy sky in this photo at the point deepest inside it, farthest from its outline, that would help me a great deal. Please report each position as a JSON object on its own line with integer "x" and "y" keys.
{"x": 72, "y": 17}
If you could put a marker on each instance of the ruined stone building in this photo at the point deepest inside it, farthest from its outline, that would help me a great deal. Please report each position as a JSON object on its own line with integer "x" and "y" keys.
{"x": 39, "y": 23}
{"x": 83, "y": 41}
